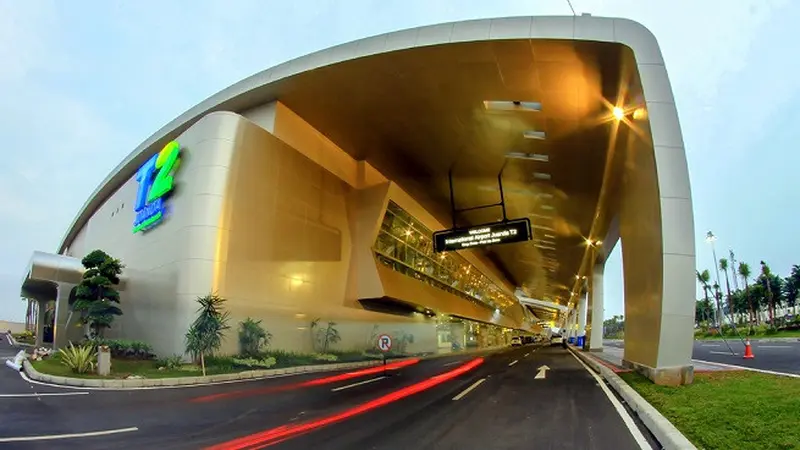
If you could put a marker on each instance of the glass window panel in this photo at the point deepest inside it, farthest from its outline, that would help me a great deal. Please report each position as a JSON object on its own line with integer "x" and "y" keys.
{"x": 407, "y": 244}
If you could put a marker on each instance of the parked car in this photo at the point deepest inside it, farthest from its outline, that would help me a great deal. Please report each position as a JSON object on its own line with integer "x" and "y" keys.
{"x": 516, "y": 341}
{"x": 556, "y": 339}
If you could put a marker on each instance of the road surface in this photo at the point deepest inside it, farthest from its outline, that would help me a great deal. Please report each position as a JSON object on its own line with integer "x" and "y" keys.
{"x": 777, "y": 356}
{"x": 463, "y": 401}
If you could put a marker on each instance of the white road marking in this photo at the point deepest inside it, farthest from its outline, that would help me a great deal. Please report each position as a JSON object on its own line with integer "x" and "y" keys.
{"x": 526, "y": 354}
{"x": 49, "y": 437}
{"x": 773, "y": 346}
{"x": 542, "y": 373}
{"x": 469, "y": 389}
{"x": 10, "y": 342}
{"x": 711, "y": 345}
{"x": 637, "y": 434}
{"x": 371, "y": 380}
{"x": 734, "y": 366}
{"x": 513, "y": 362}
{"x": 43, "y": 394}
{"x": 723, "y": 353}
{"x": 451, "y": 363}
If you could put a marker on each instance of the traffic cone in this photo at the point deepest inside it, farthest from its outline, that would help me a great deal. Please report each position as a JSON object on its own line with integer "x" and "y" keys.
{"x": 748, "y": 350}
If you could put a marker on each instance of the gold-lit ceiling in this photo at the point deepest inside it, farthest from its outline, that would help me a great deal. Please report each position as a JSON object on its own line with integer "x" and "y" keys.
{"x": 417, "y": 114}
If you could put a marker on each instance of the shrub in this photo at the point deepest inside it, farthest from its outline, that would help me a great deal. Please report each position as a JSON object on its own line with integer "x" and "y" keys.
{"x": 325, "y": 357}
{"x": 171, "y": 363}
{"x": 121, "y": 348}
{"x": 252, "y": 337}
{"x": 263, "y": 363}
{"x": 78, "y": 359}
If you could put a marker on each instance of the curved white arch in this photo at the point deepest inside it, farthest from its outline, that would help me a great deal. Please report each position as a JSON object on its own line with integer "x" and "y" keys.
{"x": 255, "y": 89}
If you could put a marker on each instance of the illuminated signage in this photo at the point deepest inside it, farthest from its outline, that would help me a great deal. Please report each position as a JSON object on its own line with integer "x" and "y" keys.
{"x": 517, "y": 230}
{"x": 156, "y": 182}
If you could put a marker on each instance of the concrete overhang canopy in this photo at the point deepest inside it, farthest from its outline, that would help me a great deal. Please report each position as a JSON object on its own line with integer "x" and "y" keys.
{"x": 45, "y": 270}
{"x": 412, "y": 104}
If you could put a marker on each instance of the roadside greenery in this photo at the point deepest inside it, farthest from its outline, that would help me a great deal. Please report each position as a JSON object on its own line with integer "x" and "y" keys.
{"x": 252, "y": 337}
{"x": 204, "y": 340}
{"x": 80, "y": 359}
{"x": 751, "y": 304}
{"x": 729, "y": 409}
{"x": 26, "y": 337}
{"x": 208, "y": 330}
{"x": 96, "y": 298}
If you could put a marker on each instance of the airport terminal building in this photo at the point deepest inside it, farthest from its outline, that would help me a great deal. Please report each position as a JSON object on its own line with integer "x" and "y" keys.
{"x": 313, "y": 192}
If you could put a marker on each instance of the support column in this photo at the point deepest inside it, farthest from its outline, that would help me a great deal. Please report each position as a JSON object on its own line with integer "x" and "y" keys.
{"x": 598, "y": 315}
{"x": 41, "y": 309}
{"x": 656, "y": 226}
{"x": 582, "y": 316}
{"x": 61, "y": 330}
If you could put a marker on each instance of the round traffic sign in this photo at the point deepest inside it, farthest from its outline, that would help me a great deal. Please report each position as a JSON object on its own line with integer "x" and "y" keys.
{"x": 384, "y": 342}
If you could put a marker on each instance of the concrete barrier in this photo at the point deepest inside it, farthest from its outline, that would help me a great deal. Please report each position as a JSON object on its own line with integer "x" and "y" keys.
{"x": 662, "y": 429}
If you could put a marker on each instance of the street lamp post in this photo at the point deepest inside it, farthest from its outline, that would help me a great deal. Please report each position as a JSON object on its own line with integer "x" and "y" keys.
{"x": 710, "y": 238}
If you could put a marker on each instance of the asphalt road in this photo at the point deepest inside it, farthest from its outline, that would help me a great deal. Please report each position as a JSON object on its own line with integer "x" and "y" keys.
{"x": 776, "y": 356}
{"x": 463, "y": 401}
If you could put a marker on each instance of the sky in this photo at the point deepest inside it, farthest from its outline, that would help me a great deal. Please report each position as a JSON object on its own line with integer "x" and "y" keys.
{"x": 82, "y": 83}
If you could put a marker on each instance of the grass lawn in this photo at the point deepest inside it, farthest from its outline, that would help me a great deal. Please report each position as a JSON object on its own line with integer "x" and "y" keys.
{"x": 122, "y": 368}
{"x": 735, "y": 410}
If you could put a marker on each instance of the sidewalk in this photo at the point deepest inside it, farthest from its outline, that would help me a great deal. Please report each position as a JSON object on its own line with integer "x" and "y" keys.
{"x": 611, "y": 357}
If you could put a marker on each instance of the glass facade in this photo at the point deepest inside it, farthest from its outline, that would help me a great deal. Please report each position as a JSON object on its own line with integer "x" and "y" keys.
{"x": 405, "y": 245}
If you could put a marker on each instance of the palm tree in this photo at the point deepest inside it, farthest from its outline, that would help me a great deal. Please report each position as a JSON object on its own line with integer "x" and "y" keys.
{"x": 767, "y": 274}
{"x": 206, "y": 333}
{"x": 704, "y": 278}
{"x": 718, "y": 299}
{"x": 744, "y": 272}
{"x": 723, "y": 265}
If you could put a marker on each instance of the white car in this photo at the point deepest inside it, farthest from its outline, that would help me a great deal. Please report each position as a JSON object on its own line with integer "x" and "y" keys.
{"x": 516, "y": 341}
{"x": 556, "y": 340}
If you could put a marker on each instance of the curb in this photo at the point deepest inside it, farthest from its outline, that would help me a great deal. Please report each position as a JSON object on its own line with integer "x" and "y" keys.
{"x": 758, "y": 339}
{"x": 662, "y": 429}
{"x": 188, "y": 381}
{"x": 33, "y": 374}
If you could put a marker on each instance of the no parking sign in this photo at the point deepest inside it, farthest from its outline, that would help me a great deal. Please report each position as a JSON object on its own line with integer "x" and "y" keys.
{"x": 384, "y": 343}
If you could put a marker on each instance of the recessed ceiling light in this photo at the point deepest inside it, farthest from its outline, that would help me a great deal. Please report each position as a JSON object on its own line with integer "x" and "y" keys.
{"x": 497, "y": 105}
{"x": 547, "y": 207}
{"x": 541, "y": 176}
{"x": 533, "y": 134}
{"x": 538, "y": 157}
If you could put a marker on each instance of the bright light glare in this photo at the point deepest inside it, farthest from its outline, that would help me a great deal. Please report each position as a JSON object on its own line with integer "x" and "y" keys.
{"x": 618, "y": 113}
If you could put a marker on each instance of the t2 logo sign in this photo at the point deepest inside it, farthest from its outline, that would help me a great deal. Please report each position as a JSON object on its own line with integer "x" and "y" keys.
{"x": 156, "y": 182}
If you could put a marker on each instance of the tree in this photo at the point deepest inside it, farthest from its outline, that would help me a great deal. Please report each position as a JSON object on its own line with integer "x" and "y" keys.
{"x": 208, "y": 330}
{"x": 702, "y": 311}
{"x": 744, "y": 272}
{"x": 331, "y": 336}
{"x": 96, "y": 298}
{"x": 772, "y": 284}
{"x": 704, "y": 278}
{"x": 723, "y": 265}
{"x": 791, "y": 288}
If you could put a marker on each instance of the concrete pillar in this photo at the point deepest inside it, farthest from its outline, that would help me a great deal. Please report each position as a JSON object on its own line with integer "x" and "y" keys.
{"x": 597, "y": 313}
{"x": 582, "y": 316}
{"x": 61, "y": 331}
{"x": 656, "y": 226}
{"x": 41, "y": 308}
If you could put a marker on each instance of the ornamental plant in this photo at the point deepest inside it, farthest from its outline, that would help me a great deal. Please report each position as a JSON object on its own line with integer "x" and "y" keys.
{"x": 96, "y": 298}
